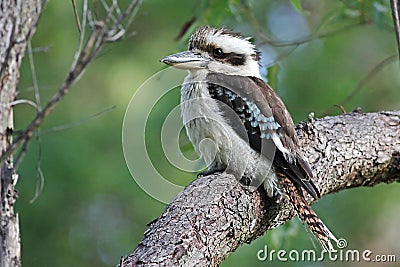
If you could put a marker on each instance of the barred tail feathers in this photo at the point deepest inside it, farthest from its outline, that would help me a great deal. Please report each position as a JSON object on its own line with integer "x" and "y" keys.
{"x": 317, "y": 227}
{"x": 307, "y": 215}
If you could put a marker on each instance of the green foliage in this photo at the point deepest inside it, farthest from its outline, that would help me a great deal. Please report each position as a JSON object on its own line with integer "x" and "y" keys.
{"x": 91, "y": 211}
{"x": 297, "y": 5}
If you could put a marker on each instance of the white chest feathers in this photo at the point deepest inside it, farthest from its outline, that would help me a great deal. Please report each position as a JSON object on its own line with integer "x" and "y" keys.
{"x": 216, "y": 141}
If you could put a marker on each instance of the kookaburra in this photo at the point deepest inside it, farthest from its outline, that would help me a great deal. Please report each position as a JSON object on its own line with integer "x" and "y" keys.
{"x": 239, "y": 125}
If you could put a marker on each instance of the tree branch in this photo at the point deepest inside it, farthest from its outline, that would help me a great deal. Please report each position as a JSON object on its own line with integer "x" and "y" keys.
{"x": 104, "y": 31}
{"x": 214, "y": 215}
{"x": 395, "y": 5}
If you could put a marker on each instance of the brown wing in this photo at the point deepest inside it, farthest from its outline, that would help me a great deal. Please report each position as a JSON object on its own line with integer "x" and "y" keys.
{"x": 266, "y": 121}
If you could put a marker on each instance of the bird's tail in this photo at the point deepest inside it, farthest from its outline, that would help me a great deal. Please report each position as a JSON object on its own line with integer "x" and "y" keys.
{"x": 307, "y": 215}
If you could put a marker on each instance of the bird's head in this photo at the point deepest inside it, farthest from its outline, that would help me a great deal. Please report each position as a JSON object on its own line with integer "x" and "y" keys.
{"x": 217, "y": 50}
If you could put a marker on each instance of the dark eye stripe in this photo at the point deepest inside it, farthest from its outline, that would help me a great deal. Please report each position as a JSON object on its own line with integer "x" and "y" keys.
{"x": 236, "y": 59}
{"x": 232, "y": 58}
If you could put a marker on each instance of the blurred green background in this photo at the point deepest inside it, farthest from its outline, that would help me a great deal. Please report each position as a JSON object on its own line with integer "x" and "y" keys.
{"x": 91, "y": 212}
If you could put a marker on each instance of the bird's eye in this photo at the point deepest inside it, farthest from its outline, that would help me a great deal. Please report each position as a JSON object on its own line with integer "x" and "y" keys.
{"x": 218, "y": 53}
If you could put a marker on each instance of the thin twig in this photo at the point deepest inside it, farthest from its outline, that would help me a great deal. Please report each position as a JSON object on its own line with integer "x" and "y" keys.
{"x": 109, "y": 9}
{"x": 39, "y": 173}
{"x": 316, "y": 35}
{"x": 370, "y": 74}
{"x": 342, "y": 109}
{"x": 18, "y": 158}
{"x": 82, "y": 32}
{"x": 78, "y": 23}
{"x": 76, "y": 123}
{"x": 281, "y": 56}
{"x": 129, "y": 11}
{"x": 44, "y": 49}
{"x": 80, "y": 62}
{"x": 396, "y": 21}
{"x": 367, "y": 77}
{"x": 311, "y": 37}
{"x": 39, "y": 108}
{"x": 34, "y": 77}
{"x": 117, "y": 9}
{"x": 25, "y": 101}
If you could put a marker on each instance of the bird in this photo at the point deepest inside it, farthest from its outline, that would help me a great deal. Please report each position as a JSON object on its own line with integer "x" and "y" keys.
{"x": 238, "y": 124}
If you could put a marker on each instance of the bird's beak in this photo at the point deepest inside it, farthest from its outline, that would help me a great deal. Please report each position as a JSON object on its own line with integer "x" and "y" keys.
{"x": 186, "y": 60}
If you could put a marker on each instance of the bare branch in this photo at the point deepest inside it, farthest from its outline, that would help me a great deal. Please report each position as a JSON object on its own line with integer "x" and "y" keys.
{"x": 214, "y": 215}
{"x": 85, "y": 54}
{"x": 34, "y": 77}
{"x": 40, "y": 49}
{"x": 39, "y": 175}
{"x": 76, "y": 123}
{"x": 78, "y": 23}
{"x": 25, "y": 101}
{"x": 375, "y": 70}
{"x": 82, "y": 32}
{"x": 309, "y": 38}
{"x": 396, "y": 21}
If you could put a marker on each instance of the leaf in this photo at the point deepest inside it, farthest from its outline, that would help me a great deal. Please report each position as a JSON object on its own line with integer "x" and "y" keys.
{"x": 379, "y": 12}
{"x": 216, "y": 12}
{"x": 272, "y": 76}
{"x": 297, "y": 5}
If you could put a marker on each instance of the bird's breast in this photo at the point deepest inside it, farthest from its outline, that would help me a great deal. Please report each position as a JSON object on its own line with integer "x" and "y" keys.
{"x": 210, "y": 131}
{"x": 205, "y": 126}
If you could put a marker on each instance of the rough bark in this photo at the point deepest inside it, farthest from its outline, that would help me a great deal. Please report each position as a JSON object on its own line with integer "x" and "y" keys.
{"x": 214, "y": 215}
{"x": 17, "y": 22}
